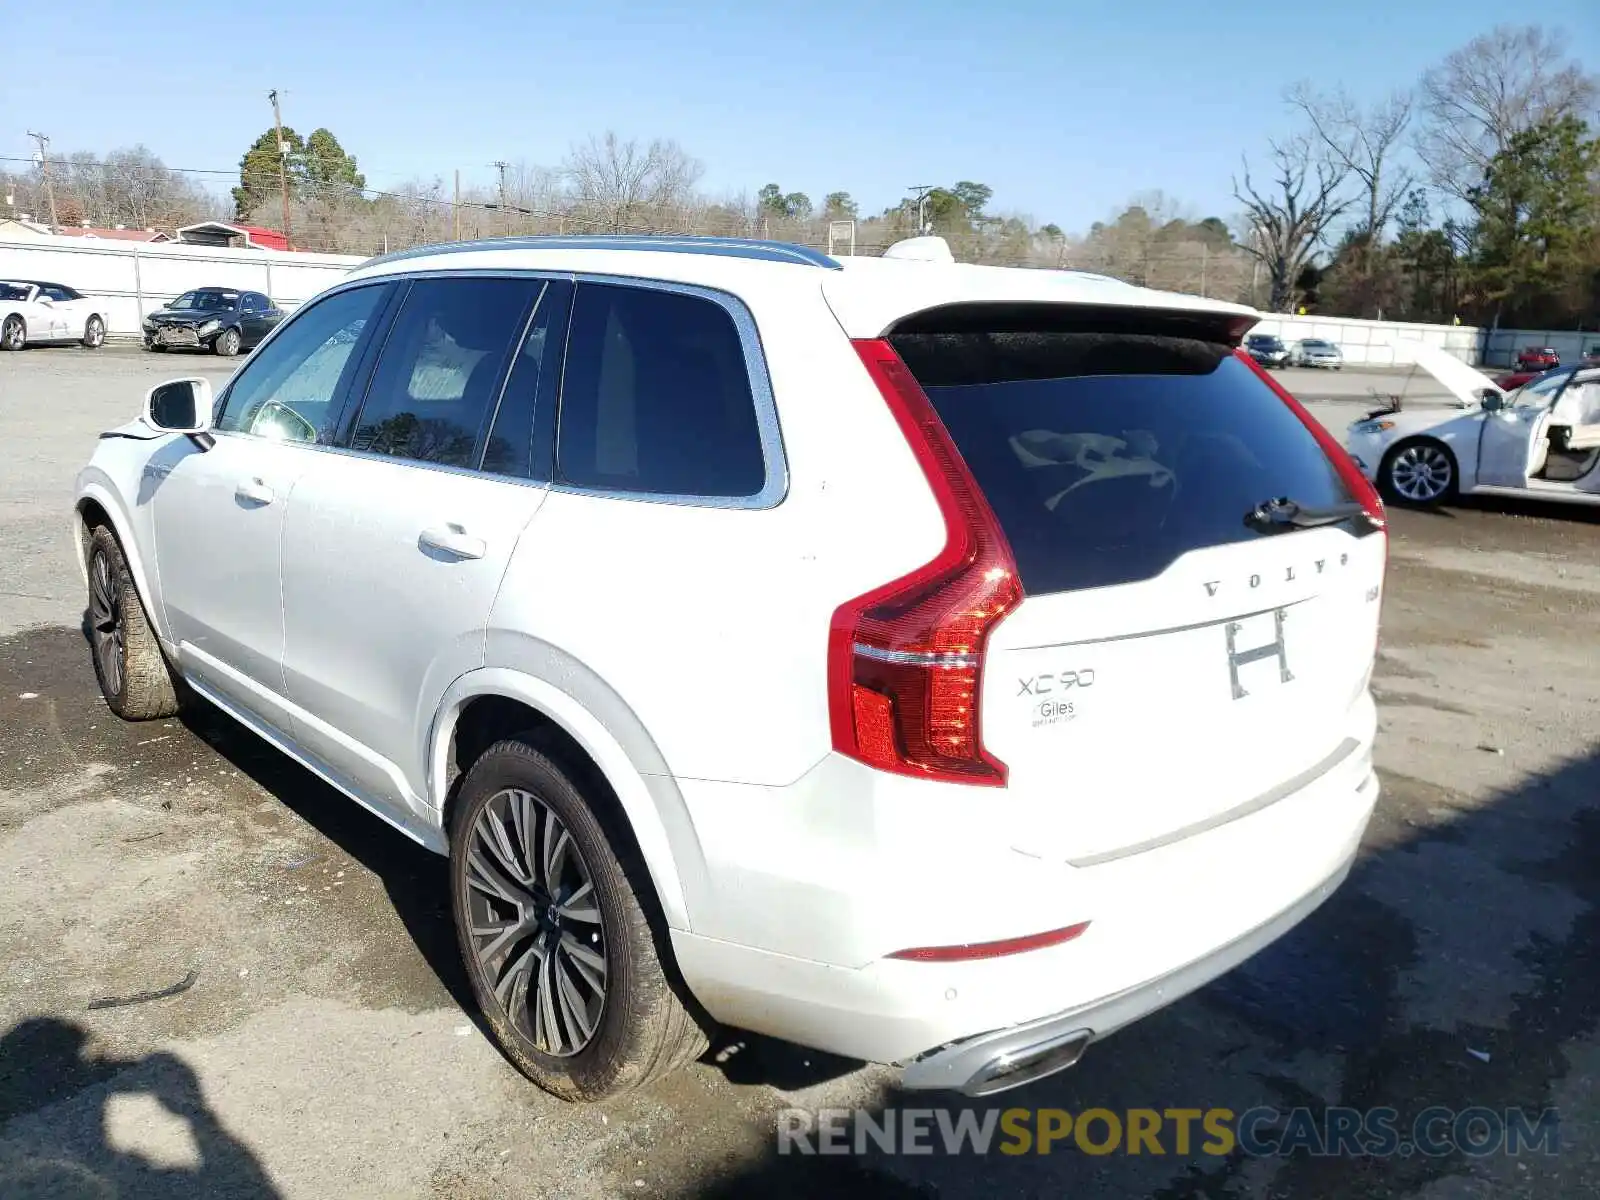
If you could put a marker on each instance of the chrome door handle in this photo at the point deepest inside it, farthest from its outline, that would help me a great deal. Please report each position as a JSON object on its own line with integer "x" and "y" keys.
{"x": 453, "y": 540}
{"x": 255, "y": 491}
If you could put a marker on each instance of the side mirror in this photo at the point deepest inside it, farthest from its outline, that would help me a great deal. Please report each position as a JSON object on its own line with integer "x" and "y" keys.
{"x": 181, "y": 406}
{"x": 1493, "y": 402}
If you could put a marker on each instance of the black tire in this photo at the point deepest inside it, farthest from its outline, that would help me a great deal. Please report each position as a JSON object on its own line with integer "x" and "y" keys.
{"x": 1396, "y": 493}
{"x": 226, "y": 344}
{"x": 155, "y": 347}
{"x": 13, "y": 334}
{"x": 645, "y": 1026}
{"x": 128, "y": 662}
{"x": 94, "y": 332}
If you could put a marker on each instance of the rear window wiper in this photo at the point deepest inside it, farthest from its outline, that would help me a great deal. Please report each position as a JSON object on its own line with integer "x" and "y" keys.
{"x": 1283, "y": 514}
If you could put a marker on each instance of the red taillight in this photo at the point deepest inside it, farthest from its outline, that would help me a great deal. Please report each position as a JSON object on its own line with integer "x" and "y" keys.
{"x": 904, "y": 660}
{"x": 1360, "y": 488}
{"x": 979, "y": 950}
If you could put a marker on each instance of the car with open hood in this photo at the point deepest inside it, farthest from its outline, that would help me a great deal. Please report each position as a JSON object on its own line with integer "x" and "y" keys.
{"x": 1541, "y": 440}
{"x": 220, "y": 319}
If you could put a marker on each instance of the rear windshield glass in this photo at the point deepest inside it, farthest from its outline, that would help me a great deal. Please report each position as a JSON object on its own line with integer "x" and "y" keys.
{"x": 1107, "y": 456}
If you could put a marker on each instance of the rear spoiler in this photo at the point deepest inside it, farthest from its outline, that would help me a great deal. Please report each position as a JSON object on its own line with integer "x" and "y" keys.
{"x": 1227, "y": 328}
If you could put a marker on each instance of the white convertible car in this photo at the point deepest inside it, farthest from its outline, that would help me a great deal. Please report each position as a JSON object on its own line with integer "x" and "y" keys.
{"x": 32, "y": 311}
{"x": 1542, "y": 440}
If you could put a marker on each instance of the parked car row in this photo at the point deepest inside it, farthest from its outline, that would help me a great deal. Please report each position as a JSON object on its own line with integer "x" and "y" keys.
{"x": 223, "y": 320}
{"x": 1270, "y": 351}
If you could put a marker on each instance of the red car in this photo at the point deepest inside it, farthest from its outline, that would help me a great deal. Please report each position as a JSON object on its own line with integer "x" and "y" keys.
{"x": 1537, "y": 358}
{"x": 1512, "y": 380}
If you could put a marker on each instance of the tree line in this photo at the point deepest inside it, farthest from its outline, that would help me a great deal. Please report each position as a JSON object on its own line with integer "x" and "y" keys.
{"x": 1472, "y": 194}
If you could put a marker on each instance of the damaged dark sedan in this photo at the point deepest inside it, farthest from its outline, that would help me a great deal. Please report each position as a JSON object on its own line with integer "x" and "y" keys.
{"x": 222, "y": 320}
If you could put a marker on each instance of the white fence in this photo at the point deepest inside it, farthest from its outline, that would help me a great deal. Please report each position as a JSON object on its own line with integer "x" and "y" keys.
{"x": 1371, "y": 343}
{"x": 1504, "y": 344}
{"x": 139, "y": 277}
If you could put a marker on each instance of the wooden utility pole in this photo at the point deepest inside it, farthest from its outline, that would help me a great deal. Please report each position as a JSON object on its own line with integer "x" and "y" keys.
{"x": 49, "y": 184}
{"x": 283, "y": 166}
{"x": 458, "y": 205}
{"x": 501, "y": 167}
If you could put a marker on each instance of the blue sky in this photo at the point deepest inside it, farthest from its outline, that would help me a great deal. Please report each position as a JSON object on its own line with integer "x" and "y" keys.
{"x": 1065, "y": 109}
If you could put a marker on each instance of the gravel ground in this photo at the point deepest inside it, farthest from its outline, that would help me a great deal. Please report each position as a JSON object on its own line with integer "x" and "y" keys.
{"x": 327, "y": 1047}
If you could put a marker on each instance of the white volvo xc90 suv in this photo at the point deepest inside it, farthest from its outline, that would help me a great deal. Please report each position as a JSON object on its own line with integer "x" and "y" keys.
{"x": 933, "y": 664}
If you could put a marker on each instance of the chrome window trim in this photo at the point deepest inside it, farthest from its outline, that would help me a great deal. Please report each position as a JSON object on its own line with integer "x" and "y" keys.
{"x": 774, "y": 461}
{"x": 774, "y": 489}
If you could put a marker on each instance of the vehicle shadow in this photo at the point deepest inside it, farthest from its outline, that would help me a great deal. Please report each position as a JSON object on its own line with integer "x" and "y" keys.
{"x": 1370, "y": 1002}
{"x": 416, "y": 880}
{"x": 68, "y": 1151}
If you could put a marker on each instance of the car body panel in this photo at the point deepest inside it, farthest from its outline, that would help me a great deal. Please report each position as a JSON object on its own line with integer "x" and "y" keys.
{"x": 682, "y": 645}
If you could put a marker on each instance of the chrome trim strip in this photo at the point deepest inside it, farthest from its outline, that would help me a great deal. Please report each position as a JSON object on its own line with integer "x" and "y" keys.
{"x": 916, "y": 658}
{"x": 1253, "y": 805}
{"x": 1147, "y": 633}
{"x": 750, "y": 248}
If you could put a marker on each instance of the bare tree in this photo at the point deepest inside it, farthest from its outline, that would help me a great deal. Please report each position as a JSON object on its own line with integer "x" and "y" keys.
{"x": 1493, "y": 88}
{"x": 620, "y": 184}
{"x": 1291, "y": 217}
{"x": 1366, "y": 142}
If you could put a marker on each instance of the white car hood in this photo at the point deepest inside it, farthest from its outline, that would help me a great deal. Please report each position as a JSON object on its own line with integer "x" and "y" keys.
{"x": 1466, "y": 384}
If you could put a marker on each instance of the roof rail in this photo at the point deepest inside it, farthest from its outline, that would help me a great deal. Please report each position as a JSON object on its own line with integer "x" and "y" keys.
{"x": 752, "y": 248}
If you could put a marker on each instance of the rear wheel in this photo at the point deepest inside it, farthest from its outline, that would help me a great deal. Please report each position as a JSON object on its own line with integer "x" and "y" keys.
{"x": 551, "y": 922}
{"x": 13, "y": 334}
{"x": 1419, "y": 472}
{"x": 227, "y": 343}
{"x": 94, "y": 332}
{"x": 128, "y": 662}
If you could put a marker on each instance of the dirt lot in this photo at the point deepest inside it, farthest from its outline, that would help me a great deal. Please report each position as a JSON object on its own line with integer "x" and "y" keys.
{"x": 326, "y": 1046}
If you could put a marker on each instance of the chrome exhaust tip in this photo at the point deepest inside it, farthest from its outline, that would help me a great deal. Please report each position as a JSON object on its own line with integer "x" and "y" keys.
{"x": 1015, "y": 1068}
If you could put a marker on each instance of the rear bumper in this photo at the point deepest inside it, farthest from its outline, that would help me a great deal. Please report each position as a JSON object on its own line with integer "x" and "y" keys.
{"x": 1009, "y": 1058}
{"x": 795, "y": 936}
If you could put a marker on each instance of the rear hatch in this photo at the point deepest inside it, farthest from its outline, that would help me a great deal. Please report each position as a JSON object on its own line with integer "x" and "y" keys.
{"x": 1174, "y": 663}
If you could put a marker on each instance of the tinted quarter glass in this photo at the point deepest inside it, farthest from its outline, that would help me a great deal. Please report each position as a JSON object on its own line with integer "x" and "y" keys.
{"x": 656, "y": 397}
{"x": 1108, "y": 456}
{"x": 439, "y": 372}
{"x": 287, "y": 390}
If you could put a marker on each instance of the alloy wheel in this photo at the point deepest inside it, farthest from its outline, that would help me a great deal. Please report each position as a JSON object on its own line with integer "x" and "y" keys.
{"x": 1421, "y": 473}
{"x": 95, "y": 334}
{"x": 13, "y": 336}
{"x": 105, "y": 622}
{"x": 537, "y": 933}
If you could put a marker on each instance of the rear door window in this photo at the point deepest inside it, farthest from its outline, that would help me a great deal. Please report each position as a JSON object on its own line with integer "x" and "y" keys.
{"x": 1106, "y": 456}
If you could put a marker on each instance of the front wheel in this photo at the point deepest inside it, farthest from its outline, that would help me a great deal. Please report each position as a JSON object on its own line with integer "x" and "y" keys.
{"x": 94, "y": 333}
{"x": 1418, "y": 472}
{"x": 551, "y": 922}
{"x": 128, "y": 662}
{"x": 227, "y": 343}
{"x": 13, "y": 334}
